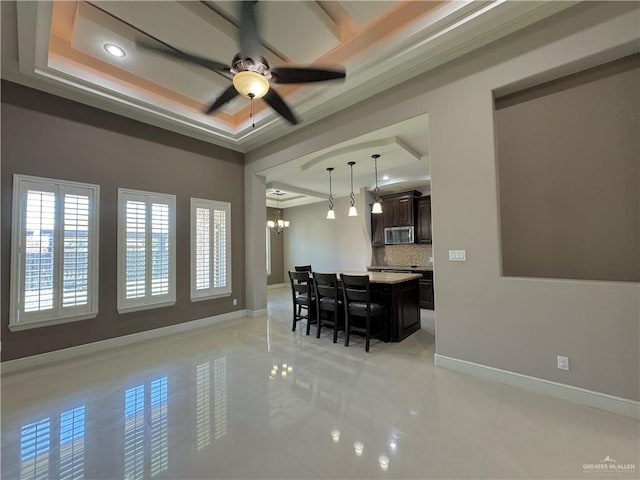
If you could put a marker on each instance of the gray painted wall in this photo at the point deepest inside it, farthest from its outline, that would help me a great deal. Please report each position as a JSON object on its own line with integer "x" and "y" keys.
{"x": 328, "y": 245}
{"x": 515, "y": 324}
{"x": 52, "y": 137}
{"x": 277, "y": 243}
{"x": 569, "y": 163}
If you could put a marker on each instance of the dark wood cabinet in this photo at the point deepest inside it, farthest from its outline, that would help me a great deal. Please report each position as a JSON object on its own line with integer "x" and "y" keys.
{"x": 402, "y": 302}
{"x": 425, "y": 285}
{"x": 398, "y": 209}
{"x": 426, "y": 291}
{"x": 405, "y": 211}
{"x": 377, "y": 230}
{"x": 423, "y": 220}
{"x": 389, "y": 212}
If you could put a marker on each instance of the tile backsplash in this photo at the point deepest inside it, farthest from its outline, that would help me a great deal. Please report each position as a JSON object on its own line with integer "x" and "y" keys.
{"x": 402, "y": 255}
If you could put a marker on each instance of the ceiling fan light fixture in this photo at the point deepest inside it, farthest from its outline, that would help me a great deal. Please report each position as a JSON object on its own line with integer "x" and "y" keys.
{"x": 251, "y": 84}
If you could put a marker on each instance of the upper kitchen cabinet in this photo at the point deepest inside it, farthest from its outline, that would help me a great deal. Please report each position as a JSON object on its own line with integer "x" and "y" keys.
{"x": 423, "y": 220}
{"x": 398, "y": 209}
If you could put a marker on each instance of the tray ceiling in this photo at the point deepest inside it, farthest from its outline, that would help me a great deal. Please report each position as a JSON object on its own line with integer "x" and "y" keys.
{"x": 59, "y": 47}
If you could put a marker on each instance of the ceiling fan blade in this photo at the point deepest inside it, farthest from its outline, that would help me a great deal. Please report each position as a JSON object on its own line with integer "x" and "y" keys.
{"x": 248, "y": 32}
{"x": 275, "y": 101}
{"x": 186, "y": 57}
{"x": 226, "y": 96}
{"x": 305, "y": 74}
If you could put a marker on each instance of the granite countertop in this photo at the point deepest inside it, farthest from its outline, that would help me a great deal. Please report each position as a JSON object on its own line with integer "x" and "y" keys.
{"x": 413, "y": 268}
{"x": 387, "y": 277}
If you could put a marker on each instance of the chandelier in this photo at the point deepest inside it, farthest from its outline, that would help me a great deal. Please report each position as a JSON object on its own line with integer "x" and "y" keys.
{"x": 278, "y": 224}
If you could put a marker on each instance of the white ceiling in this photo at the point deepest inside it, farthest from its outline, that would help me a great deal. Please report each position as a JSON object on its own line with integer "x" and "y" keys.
{"x": 58, "y": 47}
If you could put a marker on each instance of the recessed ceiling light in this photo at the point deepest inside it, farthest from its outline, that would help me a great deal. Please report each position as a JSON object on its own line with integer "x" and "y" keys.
{"x": 114, "y": 50}
{"x": 385, "y": 177}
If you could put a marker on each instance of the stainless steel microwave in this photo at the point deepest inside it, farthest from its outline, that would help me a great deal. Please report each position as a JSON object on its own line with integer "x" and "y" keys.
{"x": 398, "y": 235}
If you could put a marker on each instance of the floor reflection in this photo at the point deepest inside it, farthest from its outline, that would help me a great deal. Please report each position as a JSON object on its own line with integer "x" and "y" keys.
{"x": 220, "y": 397}
{"x": 203, "y": 417}
{"x": 38, "y": 447}
{"x": 159, "y": 446}
{"x": 72, "y": 444}
{"x": 35, "y": 441}
{"x": 236, "y": 401}
{"x": 134, "y": 433}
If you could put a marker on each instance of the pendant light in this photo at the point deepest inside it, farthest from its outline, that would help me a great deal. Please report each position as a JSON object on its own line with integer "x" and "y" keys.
{"x": 353, "y": 212}
{"x": 331, "y": 215}
{"x": 377, "y": 206}
{"x": 278, "y": 224}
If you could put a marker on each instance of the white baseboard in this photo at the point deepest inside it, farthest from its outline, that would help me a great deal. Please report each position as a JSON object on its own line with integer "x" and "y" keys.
{"x": 257, "y": 313}
{"x": 603, "y": 401}
{"x": 11, "y": 366}
{"x": 276, "y": 285}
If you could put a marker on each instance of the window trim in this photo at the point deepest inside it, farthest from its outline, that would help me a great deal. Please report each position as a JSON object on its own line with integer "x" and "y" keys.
{"x": 18, "y": 212}
{"x": 148, "y": 302}
{"x": 212, "y": 292}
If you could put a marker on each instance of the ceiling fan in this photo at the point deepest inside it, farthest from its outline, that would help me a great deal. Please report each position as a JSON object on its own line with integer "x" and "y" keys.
{"x": 251, "y": 72}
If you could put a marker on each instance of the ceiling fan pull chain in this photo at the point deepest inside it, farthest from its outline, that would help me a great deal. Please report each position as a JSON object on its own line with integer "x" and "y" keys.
{"x": 253, "y": 120}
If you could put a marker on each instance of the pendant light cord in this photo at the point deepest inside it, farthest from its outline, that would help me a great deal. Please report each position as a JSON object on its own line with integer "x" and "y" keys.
{"x": 375, "y": 166}
{"x": 253, "y": 120}
{"x": 375, "y": 163}
{"x": 353, "y": 199}
{"x": 330, "y": 191}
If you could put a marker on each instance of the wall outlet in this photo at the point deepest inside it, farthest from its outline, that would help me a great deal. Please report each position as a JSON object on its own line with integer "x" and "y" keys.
{"x": 235, "y": 301}
{"x": 563, "y": 363}
{"x": 457, "y": 255}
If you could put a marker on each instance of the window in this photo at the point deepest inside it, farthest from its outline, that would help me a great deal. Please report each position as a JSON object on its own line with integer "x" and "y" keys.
{"x": 146, "y": 250}
{"x": 268, "y": 245}
{"x": 210, "y": 249}
{"x": 54, "y": 252}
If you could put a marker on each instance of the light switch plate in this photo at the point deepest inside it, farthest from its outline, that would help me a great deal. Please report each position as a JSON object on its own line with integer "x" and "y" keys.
{"x": 457, "y": 255}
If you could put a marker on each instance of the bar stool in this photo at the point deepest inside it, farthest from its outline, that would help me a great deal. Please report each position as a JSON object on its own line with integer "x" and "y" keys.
{"x": 328, "y": 299}
{"x": 303, "y": 298}
{"x": 360, "y": 313}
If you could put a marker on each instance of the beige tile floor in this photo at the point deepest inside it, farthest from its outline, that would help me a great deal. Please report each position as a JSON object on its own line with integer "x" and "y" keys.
{"x": 251, "y": 399}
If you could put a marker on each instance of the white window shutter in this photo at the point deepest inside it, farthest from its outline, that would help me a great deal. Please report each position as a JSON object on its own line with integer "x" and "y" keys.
{"x": 136, "y": 248}
{"x": 54, "y": 266}
{"x": 146, "y": 250}
{"x": 210, "y": 249}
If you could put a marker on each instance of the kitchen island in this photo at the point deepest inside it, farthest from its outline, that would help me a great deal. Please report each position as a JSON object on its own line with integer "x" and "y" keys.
{"x": 427, "y": 300}
{"x": 400, "y": 293}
